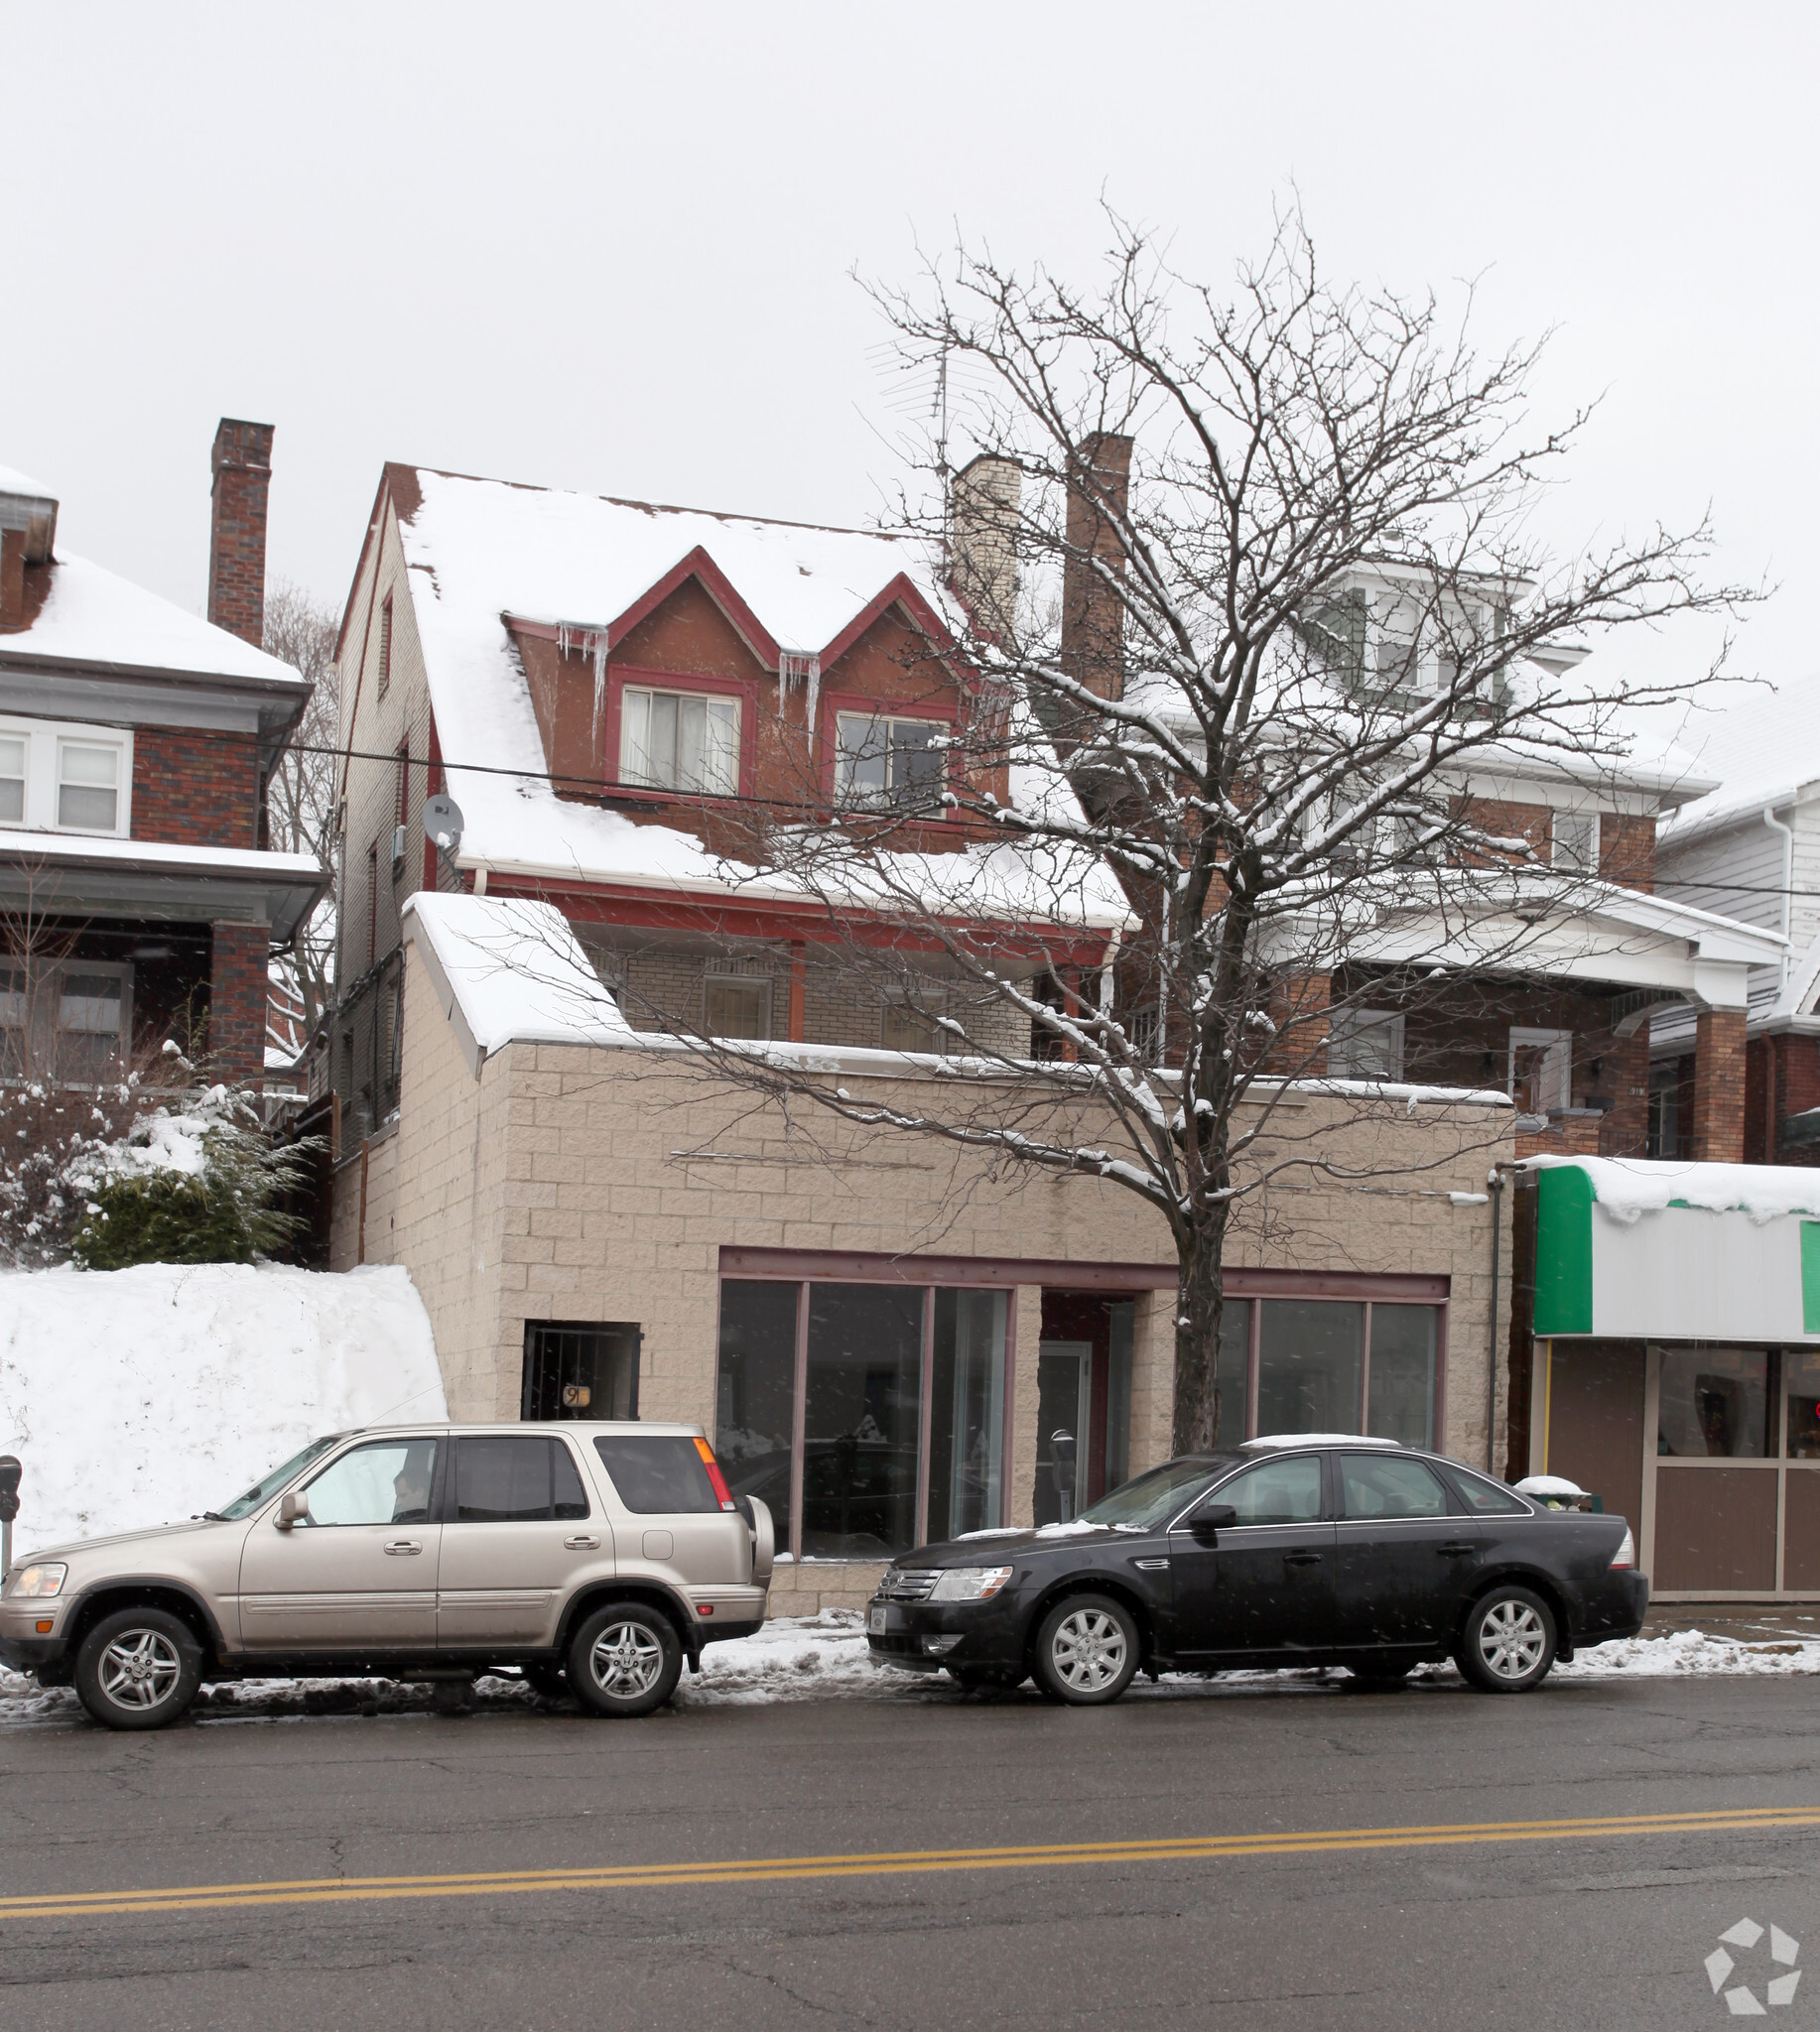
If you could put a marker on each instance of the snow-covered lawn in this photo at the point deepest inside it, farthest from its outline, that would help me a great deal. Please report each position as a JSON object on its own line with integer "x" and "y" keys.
{"x": 138, "y": 1397}
{"x": 825, "y": 1658}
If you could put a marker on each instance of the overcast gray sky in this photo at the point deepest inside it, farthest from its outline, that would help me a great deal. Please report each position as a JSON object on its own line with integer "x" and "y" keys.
{"x": 609, "y": 247}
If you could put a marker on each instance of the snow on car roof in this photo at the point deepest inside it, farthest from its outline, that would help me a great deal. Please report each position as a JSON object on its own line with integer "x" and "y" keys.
{"x": 1266, "y": 1441}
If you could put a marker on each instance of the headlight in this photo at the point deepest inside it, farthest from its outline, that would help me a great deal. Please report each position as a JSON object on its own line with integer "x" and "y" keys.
{"x": 970, "y": 1584}
{"x": 40, "y": 1582}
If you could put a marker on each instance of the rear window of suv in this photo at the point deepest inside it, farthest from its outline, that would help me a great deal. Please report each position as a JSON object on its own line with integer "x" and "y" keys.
{"x": 657, "y": 1475}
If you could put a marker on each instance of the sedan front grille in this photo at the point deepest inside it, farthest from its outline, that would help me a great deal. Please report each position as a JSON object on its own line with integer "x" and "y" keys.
{"x": 908, "y": 1583}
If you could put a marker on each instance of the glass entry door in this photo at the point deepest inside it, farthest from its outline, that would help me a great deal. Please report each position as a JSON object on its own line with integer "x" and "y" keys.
{"x": 1064, "y": 1405}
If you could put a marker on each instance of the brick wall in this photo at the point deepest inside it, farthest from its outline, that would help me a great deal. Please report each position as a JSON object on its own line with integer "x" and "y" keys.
{"x": 1626, "y": 850}
{"x": 1719, "y": 1086}
{"x": 243, "y": 466}
{"x": 192, "y": 788}
{"x": 237, "y": 990}
{"x": 551, "y": 1188}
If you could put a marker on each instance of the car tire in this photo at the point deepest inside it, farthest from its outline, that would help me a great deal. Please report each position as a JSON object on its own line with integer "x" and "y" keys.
{"x": 626, "y": 1659}
{"x": 1508, "y": 1641}
{"x": 139, "y": 1668}
{"x": 1087, "y": 1650}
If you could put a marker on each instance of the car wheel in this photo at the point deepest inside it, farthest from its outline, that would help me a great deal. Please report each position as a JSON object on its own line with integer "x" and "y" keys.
{"x": 1087, "y": 1650}
{"x": 1509, "y": 1642}
{"x": 139, "y": 1668}
{"x": 626, "y": 1659}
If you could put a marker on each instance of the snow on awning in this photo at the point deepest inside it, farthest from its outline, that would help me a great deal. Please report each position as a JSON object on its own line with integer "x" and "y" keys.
{"x": 1639, "y": 1248}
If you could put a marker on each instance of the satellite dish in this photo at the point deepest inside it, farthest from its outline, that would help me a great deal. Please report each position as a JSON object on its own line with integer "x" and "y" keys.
{"x": 443, "y": 823}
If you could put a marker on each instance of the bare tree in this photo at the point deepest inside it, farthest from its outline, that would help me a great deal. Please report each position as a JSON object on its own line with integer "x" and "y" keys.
{"x": 1244, "y": 588}
{"x": 301, "y": 630}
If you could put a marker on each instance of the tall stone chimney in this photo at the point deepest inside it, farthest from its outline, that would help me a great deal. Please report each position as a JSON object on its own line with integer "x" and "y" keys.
{"x": 1092, "y": 616}
{"x": 982, "y": 509}
{"x": 242, "y": 467}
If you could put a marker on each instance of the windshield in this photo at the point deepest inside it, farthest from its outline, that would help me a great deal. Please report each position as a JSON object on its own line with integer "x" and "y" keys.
{"x": 1153, "y": 1498}
{"x": 244, "y": 1506}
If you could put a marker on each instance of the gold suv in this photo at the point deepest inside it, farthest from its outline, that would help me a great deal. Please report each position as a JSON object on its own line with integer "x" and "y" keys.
{"x": 592, "y": 1559}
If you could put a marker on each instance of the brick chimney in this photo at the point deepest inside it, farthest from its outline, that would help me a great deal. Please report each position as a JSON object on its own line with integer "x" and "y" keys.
{"x": 1092, "y": 618}
{"x": 982, "y": 541}
{"x": 242, "y": 467}
{"x": 28, "y": 530}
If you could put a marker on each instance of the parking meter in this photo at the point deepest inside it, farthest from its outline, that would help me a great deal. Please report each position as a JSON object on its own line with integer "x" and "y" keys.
{"x": 10, "y": 1472}
{"x": 1061, "y": 1449}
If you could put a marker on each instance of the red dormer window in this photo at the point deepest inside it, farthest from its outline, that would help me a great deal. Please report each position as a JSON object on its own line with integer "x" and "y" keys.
{"x": 683, "y": 742}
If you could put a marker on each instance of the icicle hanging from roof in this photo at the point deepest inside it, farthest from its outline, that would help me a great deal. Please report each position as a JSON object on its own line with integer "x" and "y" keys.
{"x": 798, "y": 666}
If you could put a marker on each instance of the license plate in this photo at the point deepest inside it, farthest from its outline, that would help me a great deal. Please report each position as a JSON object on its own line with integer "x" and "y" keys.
{"x": 875, "y": 1622}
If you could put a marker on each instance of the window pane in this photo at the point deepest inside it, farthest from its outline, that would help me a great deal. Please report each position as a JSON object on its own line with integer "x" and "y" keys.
{"x": 502, "y": 1480}
{"x": 1276, "y": 1492}
{"x": 1801, "y": 1386}
{"x": 907, "y": 1028}
{"x": 88, "y": 1026}
{"x": 565, "y": 1484}
{"x": 634, "y": 736}
{"x": 1484, "y": 1497}
{"x": 917, "y": 768}
{"x": 1716, "y": 1403}
{"x": 691, "y": 739}
{"x": 388, "y": 1483}
{"x": 1308, "y": 1366}
{"x": 658, "y": 1475}
{"x": 967, "y": 1426}
{"x": 12, "y": 782}
{"x": 739, "y": 1008}
{"x": 1402, "y": 1384}
{"x": 661, "y": 751}
{"x": 1380, "y": 1485}
{"x": 756, "y": 1394}
{"x": 719, "y": 765}
{"x": 861, "y": 748}
{"x": 1234, "y": 1373}
{"x": 860, "y": 1421}
{"x": 88, "y": 794}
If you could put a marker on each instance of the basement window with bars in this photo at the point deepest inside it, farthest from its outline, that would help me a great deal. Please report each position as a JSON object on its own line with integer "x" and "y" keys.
{"x": 581, "y": 1369}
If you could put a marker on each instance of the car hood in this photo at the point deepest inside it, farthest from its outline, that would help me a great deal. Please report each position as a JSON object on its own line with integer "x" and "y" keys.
{"x": 73, "y": 1547}
{"x": 992, "y": 1548}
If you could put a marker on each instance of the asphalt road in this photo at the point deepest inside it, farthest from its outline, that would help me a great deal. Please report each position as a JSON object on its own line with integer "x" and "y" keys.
{"x": 683, "y": 1871}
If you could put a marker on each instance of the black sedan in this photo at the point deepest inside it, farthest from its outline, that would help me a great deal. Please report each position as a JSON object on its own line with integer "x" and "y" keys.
{"x": 1284, "y": 1553}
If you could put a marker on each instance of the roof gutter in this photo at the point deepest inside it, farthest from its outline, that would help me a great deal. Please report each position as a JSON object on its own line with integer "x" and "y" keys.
{"x": 1788, "y": 883}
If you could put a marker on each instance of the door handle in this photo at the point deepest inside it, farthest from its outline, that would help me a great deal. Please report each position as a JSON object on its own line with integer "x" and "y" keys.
{"x": 582, "y": 1544}
{"x": 400, "y": 1547}
{"x": 1301, "y": 1559}
{"x": 1455, "y": 1552}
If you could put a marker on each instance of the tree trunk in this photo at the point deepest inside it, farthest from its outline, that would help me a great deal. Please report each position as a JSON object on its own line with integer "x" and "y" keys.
{"x": 1200, "y": 1302}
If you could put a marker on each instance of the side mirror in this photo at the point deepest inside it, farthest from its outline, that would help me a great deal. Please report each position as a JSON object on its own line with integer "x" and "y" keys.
{"x": 293, "y": 1508}
{"x": 1206, "y": 1523}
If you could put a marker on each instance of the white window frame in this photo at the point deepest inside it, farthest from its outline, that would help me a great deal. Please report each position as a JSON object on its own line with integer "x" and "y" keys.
{"x": 45, "y": 742}
{"x": 1556, "y": 1045}
{"x": 759, "y": 983}
{"x": 679, "y": 691}
{"x": 23, "y": 779}
{"x": 1346, "y": 1027}
{"x": 1557, "y": 854}
{"x": 42, "y": 1009}
{"x": 847, "y": 797}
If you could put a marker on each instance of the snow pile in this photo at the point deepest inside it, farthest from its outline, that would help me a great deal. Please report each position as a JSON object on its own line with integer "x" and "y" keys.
{"x": 1689, "y": 1652}
{"x": 797, "y": 1658}
{"x": 1626, "y": 1187}
{"x": 137, "y": 1397}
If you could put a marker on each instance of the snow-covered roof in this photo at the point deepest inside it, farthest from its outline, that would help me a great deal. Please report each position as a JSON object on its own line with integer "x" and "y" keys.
{"x": 13, "y": 482}
{"x": 1628, "y": 1186}
{"x": 479, "y": 551}
{"x": 91, "y": 616}
{"x": 1763, "y": 749}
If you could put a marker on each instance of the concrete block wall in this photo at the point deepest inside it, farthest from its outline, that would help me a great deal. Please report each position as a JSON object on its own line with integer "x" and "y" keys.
{"x": 570, "y": 1182}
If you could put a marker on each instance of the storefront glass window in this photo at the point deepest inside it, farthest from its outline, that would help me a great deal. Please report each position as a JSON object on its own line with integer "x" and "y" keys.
{"x": 1716, "y": 1403}
{"x": 862, "y": 1420}
{"x": 967, "y": 1412}
{"x": 1308, "y": 1366}
{"x": 1234, "y": 1372}
{"x": 1801, "y": 1387}
{"x": 754, "y": 1419}
{"x": 1401, "y": 1386}
{"x": 1121, "y": 1322}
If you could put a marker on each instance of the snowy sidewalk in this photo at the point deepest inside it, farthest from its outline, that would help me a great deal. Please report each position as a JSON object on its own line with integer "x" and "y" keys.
{"x": 825, "y": 1658}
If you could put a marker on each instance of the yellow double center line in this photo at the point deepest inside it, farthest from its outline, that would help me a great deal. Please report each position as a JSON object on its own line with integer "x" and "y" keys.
{"x": 889, "y": 1862}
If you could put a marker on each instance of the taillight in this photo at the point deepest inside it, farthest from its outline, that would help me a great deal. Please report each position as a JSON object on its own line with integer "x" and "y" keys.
{"x": 715, "y": 1478}
{"x": 1625, "y": 1554}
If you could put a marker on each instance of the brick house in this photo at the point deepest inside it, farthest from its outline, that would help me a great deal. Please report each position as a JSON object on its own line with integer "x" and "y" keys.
{"x": 881, "y": 1336}
{"x": 1751, "y": 847}
{"x": 138, "y": 900}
